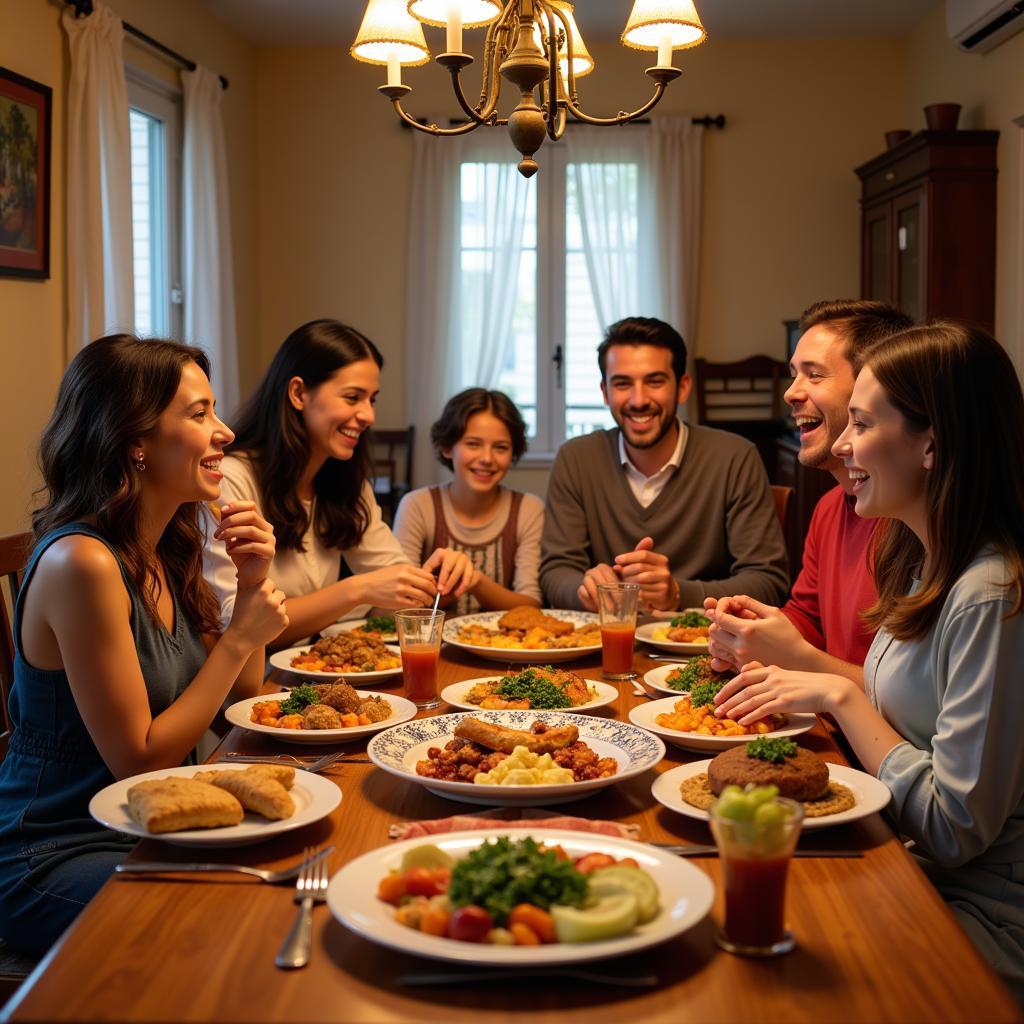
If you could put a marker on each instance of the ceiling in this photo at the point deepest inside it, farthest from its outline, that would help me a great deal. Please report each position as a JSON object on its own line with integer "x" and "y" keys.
{"x": 329, "y": 22}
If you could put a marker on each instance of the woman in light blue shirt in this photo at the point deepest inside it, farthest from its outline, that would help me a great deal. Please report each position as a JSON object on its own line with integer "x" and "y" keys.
{"x": 935, "y": 444}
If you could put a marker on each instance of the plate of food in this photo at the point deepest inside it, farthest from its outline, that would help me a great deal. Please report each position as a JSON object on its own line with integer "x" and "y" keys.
{"x": 540, "y": 688}
{"x": 343, "y": 656}
{"x": 635, "y": 896}
{"x": 685, "y": 633}
{"x": 515, "y": 758}
{"x": 320, "y": 713}
{"x": 677, "y": 720}
{"x": 686, "y": 676}
{"x": 832, "y": 794}
{"x": 380, "y": 627}
{"x": 526, "y": 634}
{"x": 215, "y": 805}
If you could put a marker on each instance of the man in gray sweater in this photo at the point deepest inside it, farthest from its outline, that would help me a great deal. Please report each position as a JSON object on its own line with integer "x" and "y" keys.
{"x": 684, "y": 511}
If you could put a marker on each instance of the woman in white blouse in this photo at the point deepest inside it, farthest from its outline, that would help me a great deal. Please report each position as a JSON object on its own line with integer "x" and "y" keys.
{"x": 935, "y": 443}
{"x": 299, "y": 454}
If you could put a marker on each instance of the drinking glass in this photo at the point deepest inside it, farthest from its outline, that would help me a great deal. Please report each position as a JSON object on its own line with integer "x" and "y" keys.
{"x": 616, "y": 603}
{"x": 419, "y": 637}
{"x": 755, "y": 855}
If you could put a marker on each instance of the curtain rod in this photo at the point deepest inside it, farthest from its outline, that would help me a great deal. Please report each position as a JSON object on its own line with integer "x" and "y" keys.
{"x": 84, "y": 8}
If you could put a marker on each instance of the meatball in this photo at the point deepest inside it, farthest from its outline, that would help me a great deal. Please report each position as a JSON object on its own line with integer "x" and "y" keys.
{"x": 341, "y": 697}
{"x": 320, "y": 716}
{"x": 376, "y": 709}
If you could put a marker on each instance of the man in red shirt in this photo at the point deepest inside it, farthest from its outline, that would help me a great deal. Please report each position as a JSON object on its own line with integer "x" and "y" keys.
{"x": 819, "y": 629}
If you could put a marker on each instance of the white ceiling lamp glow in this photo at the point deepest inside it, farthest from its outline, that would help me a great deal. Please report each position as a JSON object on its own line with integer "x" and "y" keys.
{"x": 533, "y": 44}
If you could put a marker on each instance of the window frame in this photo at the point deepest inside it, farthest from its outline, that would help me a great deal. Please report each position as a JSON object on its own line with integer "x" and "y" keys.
{"x": 159, "y": 100}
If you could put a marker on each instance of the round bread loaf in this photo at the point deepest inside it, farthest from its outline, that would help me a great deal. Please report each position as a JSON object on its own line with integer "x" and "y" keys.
{"x": 804, "y": 776}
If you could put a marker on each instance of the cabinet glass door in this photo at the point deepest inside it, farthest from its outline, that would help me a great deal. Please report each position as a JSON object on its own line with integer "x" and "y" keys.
{"x": 909, "y": 217}
{"x": 877, "y": 270}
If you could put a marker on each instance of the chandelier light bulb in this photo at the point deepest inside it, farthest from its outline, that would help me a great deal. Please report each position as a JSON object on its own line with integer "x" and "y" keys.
{"x": 471, "y": 13}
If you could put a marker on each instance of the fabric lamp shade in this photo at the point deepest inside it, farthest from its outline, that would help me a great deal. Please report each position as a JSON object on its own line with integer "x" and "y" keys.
{"x": 388, "y": 29}
{"x": 583, "y": 63}
{"x": 473, "y": 13}
{"x": 653, "y": 21}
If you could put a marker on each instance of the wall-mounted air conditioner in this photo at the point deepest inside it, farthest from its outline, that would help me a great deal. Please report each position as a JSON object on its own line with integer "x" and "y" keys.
{"x": 980, "y": 25}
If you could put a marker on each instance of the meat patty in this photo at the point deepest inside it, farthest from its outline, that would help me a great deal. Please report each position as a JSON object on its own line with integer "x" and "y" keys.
{"x": 525, "y": 617}
{"x": 804, "y": 776}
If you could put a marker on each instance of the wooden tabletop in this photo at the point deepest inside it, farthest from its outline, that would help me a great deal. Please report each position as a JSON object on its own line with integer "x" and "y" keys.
{"x": 875, "y": 941}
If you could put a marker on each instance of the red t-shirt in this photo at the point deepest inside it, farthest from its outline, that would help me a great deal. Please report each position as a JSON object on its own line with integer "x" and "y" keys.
{"x": 835, "y": 585}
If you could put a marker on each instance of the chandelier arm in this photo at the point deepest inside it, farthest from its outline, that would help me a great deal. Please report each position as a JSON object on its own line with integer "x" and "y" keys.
{"x": 623, "y": 117}
{"x": 549, "y": 96}
{"x": 433, "y": 129}
{"x": 570, "y": 62}
{"x": 481, "y": 117}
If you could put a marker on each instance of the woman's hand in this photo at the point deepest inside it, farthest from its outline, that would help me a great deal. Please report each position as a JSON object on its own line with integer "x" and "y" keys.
{"x": 456, "y": 574}
{"x": 249, "y": 540}
{"x": 759, "y": 691}
{"x": 258, "y": 617}
{"x": 744, "y": 630}
{"x": 398, "y": 586}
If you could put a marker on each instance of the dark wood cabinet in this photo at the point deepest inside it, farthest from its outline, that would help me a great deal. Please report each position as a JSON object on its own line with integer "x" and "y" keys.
{"x": 808, "y": 486}
{"x": 928, "y": 226}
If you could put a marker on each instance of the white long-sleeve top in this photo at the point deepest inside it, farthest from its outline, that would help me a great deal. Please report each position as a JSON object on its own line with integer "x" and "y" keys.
{"x": 297, "y": 573}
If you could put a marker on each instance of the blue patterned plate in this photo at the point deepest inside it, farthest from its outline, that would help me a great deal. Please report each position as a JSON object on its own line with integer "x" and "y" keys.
{"x": 521, "y": 655}
{"x": 397, "y": 750}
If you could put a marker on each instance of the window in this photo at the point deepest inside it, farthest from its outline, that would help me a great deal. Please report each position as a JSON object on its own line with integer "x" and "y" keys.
{"x": 155, "y": 131}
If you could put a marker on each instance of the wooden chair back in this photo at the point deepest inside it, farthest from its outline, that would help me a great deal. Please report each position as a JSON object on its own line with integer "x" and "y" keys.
{"x": 391, "y": 452}
{"x": 750, "y": 390}
{"x": 785, "y": 509}
{"x": 14, "y": 551}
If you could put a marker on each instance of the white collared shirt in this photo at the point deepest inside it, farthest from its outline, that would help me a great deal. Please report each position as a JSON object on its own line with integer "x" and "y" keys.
{"x": 646, "y": 488}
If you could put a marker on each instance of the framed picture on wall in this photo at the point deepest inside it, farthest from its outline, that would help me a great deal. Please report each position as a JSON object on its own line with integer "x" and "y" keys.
{"x": 24, "y": 176}
{"x": 792, "y": 337}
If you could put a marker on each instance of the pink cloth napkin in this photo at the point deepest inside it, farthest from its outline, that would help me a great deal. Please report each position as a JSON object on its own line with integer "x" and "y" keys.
{"x": 537, "y": 817}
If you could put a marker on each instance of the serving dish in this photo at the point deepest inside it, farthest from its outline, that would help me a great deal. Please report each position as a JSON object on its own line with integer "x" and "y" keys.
{"x": 282, "y": 660}
{"x": 455, "y": 694}
{"x": 518, "y": 655}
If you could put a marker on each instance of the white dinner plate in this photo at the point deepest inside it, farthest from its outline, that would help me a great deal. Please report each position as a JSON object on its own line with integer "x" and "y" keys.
{"x": 646, "y": 633}
{"x": 456, "y": 693}
{"x": 352, "y": 626}
{"x": 655, "y": 679}
{"x": 686, "y": 895}
{"x": 315, "y": 797}
{"x": 238, "y": 714}
{"x": 283, "y": 660}
{"x": 645, "y": 715}
{"x": 518, "y": 655}
{"x": 397, "y": 750}
{"x": 870, "y": 794}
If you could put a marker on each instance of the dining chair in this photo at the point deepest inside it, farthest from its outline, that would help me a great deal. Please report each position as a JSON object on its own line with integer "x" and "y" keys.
{"x": 14, "y": 552}
{"x": 391, "y": 452}
{"x": 785, "y": 509}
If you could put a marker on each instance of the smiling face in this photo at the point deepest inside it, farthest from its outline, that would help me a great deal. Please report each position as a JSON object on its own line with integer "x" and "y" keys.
{"x": 483, "y": 455}
{"x": 337, "y": 412}
{"x": 887, "y": 462}
{"x": 182, "y": 452}
{"x": 819, "y": 395}
{"x": 642, "y": 392}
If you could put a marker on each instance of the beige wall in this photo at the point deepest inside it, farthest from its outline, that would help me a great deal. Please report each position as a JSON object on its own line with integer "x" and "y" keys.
{"x": 991, "y": 89}
{"x": 33, "y": 313}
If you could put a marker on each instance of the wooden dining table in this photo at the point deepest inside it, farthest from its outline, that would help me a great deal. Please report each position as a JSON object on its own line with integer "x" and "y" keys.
{"x": 875, "y": 941}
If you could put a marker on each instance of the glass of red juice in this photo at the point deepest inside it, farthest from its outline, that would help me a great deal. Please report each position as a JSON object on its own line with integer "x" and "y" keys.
{"x": 617, "y": 604}
{"x": 755, "y": 844}
{"x": 419, "y": 638}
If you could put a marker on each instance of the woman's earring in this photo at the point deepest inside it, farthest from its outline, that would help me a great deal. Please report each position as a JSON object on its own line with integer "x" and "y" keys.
{"x": 140, "y": 463}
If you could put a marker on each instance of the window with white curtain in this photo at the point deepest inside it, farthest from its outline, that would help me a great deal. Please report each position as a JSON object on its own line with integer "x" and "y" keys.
{"x": 155, "y": 132}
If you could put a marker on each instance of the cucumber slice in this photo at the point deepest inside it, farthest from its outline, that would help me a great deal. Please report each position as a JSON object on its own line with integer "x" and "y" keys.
{"x": 426, "y": 856}
{"x": 622, "y": 878}
{"x": 609, "y": 918}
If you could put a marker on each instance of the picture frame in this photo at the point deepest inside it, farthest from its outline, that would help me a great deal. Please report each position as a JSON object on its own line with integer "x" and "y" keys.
{"x": 25, "y": 133}
{"x": 792, "y": 337}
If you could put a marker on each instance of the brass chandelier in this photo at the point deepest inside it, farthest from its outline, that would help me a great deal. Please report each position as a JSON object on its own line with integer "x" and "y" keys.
{"x": 533, "y": 44}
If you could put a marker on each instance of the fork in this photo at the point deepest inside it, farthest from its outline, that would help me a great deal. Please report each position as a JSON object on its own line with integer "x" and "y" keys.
{"x": 143, "y": 867}
{"x": 307, "y": 766}
{"x": 310, "y": 888}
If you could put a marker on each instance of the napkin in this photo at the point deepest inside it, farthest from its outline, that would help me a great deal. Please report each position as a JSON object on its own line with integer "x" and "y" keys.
{"x": 538, "y": 817}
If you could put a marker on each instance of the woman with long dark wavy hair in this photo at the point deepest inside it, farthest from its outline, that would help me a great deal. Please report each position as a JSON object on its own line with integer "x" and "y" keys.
{"x": 299, "y": 455}
{"x": 935, "y": 444}
{"x": 120, "y": 660}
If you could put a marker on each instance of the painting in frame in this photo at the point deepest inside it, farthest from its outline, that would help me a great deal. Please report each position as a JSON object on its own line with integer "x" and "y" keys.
{"x": 24, "y": 176}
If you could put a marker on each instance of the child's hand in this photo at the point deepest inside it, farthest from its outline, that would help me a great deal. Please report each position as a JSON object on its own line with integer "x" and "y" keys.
{"x": 456, "y": 574}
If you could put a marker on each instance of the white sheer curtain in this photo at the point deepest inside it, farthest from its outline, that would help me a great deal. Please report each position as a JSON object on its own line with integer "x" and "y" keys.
{"x": 206, "y": 234}
{"x": 100, "y": 288}
{"x": 656, "y": 271}
{"x": 458, "y": 337}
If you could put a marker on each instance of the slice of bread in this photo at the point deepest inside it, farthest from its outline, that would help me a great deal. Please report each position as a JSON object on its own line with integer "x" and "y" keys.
{"x": 175, "y": 804}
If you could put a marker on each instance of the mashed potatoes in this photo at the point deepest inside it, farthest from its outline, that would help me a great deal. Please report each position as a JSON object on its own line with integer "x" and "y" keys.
{"x": 523, "y": 768}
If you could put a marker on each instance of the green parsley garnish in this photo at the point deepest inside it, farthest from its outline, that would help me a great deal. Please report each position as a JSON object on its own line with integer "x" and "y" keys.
{"x": 378, "y": 624}
{"x": 299, "y": 699}
{"x": 690, "y": 619}
{"x": 774, "y": 750}
{"x": 694, "y": 675}
{"x": 501, "y": 874}
{"x": 529, "y": 684}
{"x": 705, "y": 693}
